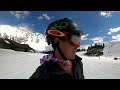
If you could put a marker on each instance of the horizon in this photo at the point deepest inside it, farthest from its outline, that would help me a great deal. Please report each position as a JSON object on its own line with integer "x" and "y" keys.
{"x": 97, "y": 26}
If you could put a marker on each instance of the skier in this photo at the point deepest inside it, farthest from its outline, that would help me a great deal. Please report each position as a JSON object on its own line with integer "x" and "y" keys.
{"x": 64, "y": 36}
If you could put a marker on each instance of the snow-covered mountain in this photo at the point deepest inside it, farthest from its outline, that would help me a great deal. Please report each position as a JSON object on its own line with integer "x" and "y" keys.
{"x": 24, "y": 35}
{"x": 112, "y": 49}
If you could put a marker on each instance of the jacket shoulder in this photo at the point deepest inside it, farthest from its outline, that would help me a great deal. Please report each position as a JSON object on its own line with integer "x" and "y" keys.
{"x": 79, "y": 67}
{"x": 77, "y": 58}
{"x": 41, "y": 72}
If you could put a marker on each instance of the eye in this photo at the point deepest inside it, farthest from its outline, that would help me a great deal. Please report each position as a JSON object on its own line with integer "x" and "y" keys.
{"x": 76, "y": 33}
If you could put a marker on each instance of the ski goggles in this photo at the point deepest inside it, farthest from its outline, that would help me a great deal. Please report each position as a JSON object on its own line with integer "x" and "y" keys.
{"x": 72, "y": 37}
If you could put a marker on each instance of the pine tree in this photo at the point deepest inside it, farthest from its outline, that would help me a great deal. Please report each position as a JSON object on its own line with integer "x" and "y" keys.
{"x": 103, "y": 45}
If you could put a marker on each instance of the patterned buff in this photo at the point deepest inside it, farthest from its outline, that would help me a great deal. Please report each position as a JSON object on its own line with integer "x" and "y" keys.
{"x": 51, "y": 57}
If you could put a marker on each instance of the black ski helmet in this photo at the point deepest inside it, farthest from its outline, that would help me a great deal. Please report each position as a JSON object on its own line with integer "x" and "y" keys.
{"x": 63, "y": 25}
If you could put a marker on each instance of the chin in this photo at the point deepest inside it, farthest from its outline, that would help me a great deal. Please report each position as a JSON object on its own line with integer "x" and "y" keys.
{"x": 73, "y": 57}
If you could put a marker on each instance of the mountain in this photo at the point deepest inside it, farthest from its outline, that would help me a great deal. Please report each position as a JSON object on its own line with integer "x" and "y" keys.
{"x": 35, "y": 40}
{"x": 112, "y": 49}
{"x": 24, "y": 35}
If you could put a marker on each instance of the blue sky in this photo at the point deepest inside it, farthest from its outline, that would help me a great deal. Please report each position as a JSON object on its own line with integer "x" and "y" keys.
{"x": 97, "y": 26}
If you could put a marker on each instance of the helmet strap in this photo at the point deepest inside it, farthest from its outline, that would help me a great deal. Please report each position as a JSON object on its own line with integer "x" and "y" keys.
{"x": 60, "y": 52}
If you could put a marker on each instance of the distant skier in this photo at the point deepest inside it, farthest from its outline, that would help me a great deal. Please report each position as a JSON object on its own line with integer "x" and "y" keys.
{"x": 63, "y": 63}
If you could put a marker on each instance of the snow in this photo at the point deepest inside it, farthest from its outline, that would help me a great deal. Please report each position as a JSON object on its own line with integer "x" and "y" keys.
{"x": 103, "y": 68}
{"x": 112, "y": 49}
{"x": 7, "y": 42}
{"x": 21, "y": 65}
{"x": 24, "y": 34}
{"x": 18, "y": 65}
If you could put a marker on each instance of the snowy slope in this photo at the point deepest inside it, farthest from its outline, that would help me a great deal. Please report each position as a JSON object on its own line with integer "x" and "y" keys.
{"x": 17, "y": 65}
{"x": 21, "y": 65}
{"x": 100, "y": 68}
{"x": 112, "y": 49}
{"x": 25, "y": 35}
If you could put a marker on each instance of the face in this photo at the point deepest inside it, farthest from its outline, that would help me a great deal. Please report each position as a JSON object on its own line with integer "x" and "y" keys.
{"x": 68, "y": 50}
{"x": 69, "y": 43}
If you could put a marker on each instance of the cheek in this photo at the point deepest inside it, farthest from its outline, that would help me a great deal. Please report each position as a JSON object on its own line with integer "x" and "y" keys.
{"x": 64, "y": 47}
{"x": 67, "y": 48}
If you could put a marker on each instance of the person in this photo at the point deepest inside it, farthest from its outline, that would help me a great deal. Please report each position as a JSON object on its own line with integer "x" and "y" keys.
{"x": 64, "y": 35}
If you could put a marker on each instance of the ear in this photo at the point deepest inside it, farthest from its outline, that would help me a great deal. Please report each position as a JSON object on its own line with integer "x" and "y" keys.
{"x": 56, "y": 40}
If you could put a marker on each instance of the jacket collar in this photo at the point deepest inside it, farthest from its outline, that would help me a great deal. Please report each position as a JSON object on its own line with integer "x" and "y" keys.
{"x": 56, "y": 69}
